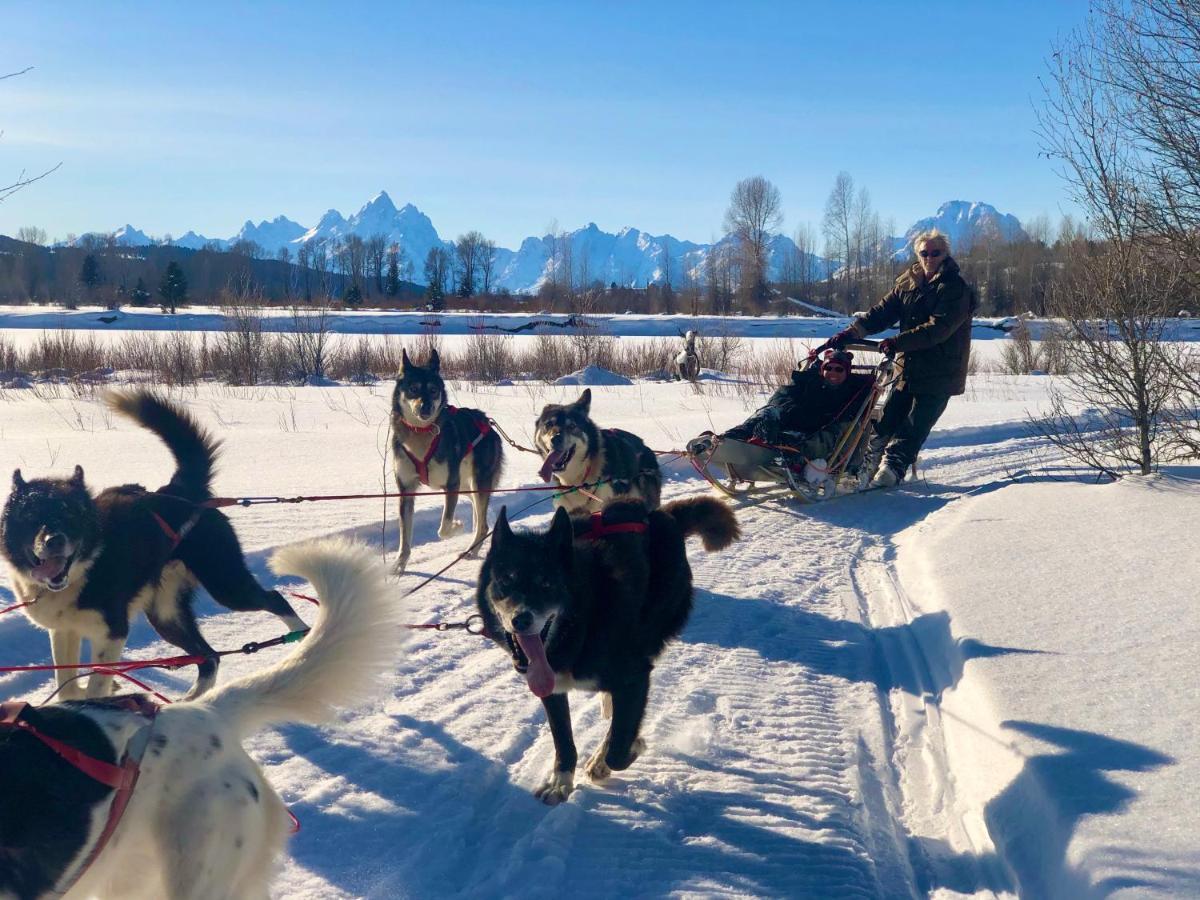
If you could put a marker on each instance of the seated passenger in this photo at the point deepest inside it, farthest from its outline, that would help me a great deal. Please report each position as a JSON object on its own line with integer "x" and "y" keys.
{"x": 805, "y": 418}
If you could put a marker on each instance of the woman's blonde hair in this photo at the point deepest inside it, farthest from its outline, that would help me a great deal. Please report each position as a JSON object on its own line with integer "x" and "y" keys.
{"x": 932, "y": 239}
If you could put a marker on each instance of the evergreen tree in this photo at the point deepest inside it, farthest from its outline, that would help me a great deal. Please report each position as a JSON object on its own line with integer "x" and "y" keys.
{"x": 89, "y": 273}
{"x": 140, "y": 296}
{"x": 391, "y": 286}
{"x": 437, "y": 271}
{"x": 353, "y": 295}
{"x": 173, "y": 287}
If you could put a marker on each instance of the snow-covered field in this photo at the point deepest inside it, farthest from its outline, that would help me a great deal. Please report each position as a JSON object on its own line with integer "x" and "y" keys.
{"x": 982, "y": 682}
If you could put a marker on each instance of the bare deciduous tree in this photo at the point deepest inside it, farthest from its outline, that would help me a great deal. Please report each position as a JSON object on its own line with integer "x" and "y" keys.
{"x": 838, "y": 226}
{"x": 487, "y": 263}
{"x": 1117, "y": 290}
{"x": 31, "y": 234}
{"x": 1121, "y": 369}
{"x": 375, "y": 259}
{"x": 22, "y": 180}
{"x": 755, "y": 212}
{"x": 1143, "y": 57}
{"x": 468, "y": 253}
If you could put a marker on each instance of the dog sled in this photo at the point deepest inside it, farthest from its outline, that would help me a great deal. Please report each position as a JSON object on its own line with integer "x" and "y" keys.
{"x": 848, "y": 469}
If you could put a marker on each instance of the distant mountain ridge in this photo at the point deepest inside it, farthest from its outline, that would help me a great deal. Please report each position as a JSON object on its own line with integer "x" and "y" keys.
{"x": 629, "y": 257}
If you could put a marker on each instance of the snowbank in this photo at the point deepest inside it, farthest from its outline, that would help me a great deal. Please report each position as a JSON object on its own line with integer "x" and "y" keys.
{"x": 1074, "y": 728}
{"x": 595, "y": 376}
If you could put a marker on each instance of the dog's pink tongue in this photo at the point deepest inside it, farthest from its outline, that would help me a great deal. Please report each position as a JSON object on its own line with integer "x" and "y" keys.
{"x": 548, "y": 466}
{"x": 50, "y": 567}
{"x": 539, "y": 675}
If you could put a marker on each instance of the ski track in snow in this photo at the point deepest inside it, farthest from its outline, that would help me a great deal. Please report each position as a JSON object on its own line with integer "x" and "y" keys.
{"x": 776, "y": 728}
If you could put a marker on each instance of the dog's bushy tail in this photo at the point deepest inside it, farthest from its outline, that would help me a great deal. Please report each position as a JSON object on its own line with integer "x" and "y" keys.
{"x": 707, "y": 517}
{"x": 355, "y": 640}
{"x": 194, "y": 449}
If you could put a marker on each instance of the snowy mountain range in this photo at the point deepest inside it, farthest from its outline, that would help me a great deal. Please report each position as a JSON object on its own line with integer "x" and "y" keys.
{"x": 629, "y": 257}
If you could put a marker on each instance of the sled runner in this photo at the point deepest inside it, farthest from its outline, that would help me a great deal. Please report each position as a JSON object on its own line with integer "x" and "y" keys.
{"x": 847, "y": 470}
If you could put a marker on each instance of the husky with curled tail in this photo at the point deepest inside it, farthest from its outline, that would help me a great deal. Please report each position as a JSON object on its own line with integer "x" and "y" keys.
{"x": 202, "y": 820}
{"x": 590, "y": 605}
{"x": 86, "y": 565}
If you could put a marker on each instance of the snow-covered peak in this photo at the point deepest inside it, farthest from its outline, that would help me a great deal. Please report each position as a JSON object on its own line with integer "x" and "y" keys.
{"x": 192, "y": 241}
{"x": 278, "y": 232}
{"x": 964, "y": 222}
{"x": 128, "y": 236}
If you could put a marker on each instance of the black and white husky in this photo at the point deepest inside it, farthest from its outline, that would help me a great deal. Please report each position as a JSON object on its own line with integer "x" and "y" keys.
{"x": 441, "y": 447}
{"x": 590, "y": 605}
{"x": 574, "y": 451}
{"x": 687, "y": 360}
{"x": 202, "y": 820}
{"x": 87, "y": 565}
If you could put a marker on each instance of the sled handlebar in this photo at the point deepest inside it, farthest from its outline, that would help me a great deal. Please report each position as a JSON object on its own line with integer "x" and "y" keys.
{"x": 861, "y": 344}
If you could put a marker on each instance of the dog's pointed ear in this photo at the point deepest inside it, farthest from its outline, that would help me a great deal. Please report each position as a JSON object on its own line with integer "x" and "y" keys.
{"x": 584, "y": 403}
{"x": 19, "y": 483}
{"x": 404, "y": 363}
{"x": 501, "y": 532}
{"x": 77, "y": 477}
{"x": 435, "y": 361}
{"x": 561, "y": 535}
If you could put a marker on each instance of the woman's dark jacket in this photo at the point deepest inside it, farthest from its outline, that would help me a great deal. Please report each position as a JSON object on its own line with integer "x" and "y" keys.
{"x": 934, "y": 316}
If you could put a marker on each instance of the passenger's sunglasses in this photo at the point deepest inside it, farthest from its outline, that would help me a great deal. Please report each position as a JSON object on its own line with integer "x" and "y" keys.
{"x": 930, "y": 254}
{"x": 834, "y": 368}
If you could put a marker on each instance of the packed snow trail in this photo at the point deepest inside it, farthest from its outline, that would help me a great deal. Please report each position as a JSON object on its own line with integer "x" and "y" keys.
{"x": 751, "y": 786}
{"x": 769, "y": 771}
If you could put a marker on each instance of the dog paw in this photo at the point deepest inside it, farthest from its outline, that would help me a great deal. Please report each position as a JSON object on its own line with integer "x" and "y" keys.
{"x": 597, "y": 769}
{"x": 400, "y": 564}
{"x": 450, "y": 529}
{"x": 556, "y": 789}
{"x": 636, "y": 749}
{"x": 70, "y": 691}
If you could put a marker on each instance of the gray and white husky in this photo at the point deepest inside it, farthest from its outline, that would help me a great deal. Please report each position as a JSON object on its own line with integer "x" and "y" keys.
{"x": 687, "y": 360}
{"x": 441, "y": 447}
{"x": 574, "y": 451}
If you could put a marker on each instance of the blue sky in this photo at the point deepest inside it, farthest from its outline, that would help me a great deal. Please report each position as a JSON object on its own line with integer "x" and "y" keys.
{"x": 505, "y": 117}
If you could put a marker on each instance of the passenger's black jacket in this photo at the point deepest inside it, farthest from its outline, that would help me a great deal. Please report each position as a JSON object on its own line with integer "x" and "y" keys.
{"x": 808, "y": 405}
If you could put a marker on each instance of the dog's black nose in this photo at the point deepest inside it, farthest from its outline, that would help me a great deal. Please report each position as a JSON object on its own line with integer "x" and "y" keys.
{"x": 54, "y": 544}
{"x": 522, "y": 622}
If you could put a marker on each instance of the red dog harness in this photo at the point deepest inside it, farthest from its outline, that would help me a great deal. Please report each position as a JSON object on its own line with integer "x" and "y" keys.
{"x": 422, "y": 465}
{"x": 601, "y": 529}
{"x": 122, "y": 778}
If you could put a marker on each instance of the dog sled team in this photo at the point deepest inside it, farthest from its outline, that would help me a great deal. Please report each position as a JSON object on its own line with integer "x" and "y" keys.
{"x": 111, "y": 795}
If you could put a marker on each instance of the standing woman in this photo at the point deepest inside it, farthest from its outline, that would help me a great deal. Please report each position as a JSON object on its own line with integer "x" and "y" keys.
{"x": 932, "y": 306}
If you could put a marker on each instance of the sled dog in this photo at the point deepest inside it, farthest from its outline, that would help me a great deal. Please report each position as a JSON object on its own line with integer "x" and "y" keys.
{"x": 574, "y": 451}
{"x": 202, "y": 820}
{"x": 590, "y": 605}
{"x": 441, "y": 447}
{"x": 87, "y": 565}
{"x": 687, "y": 360}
